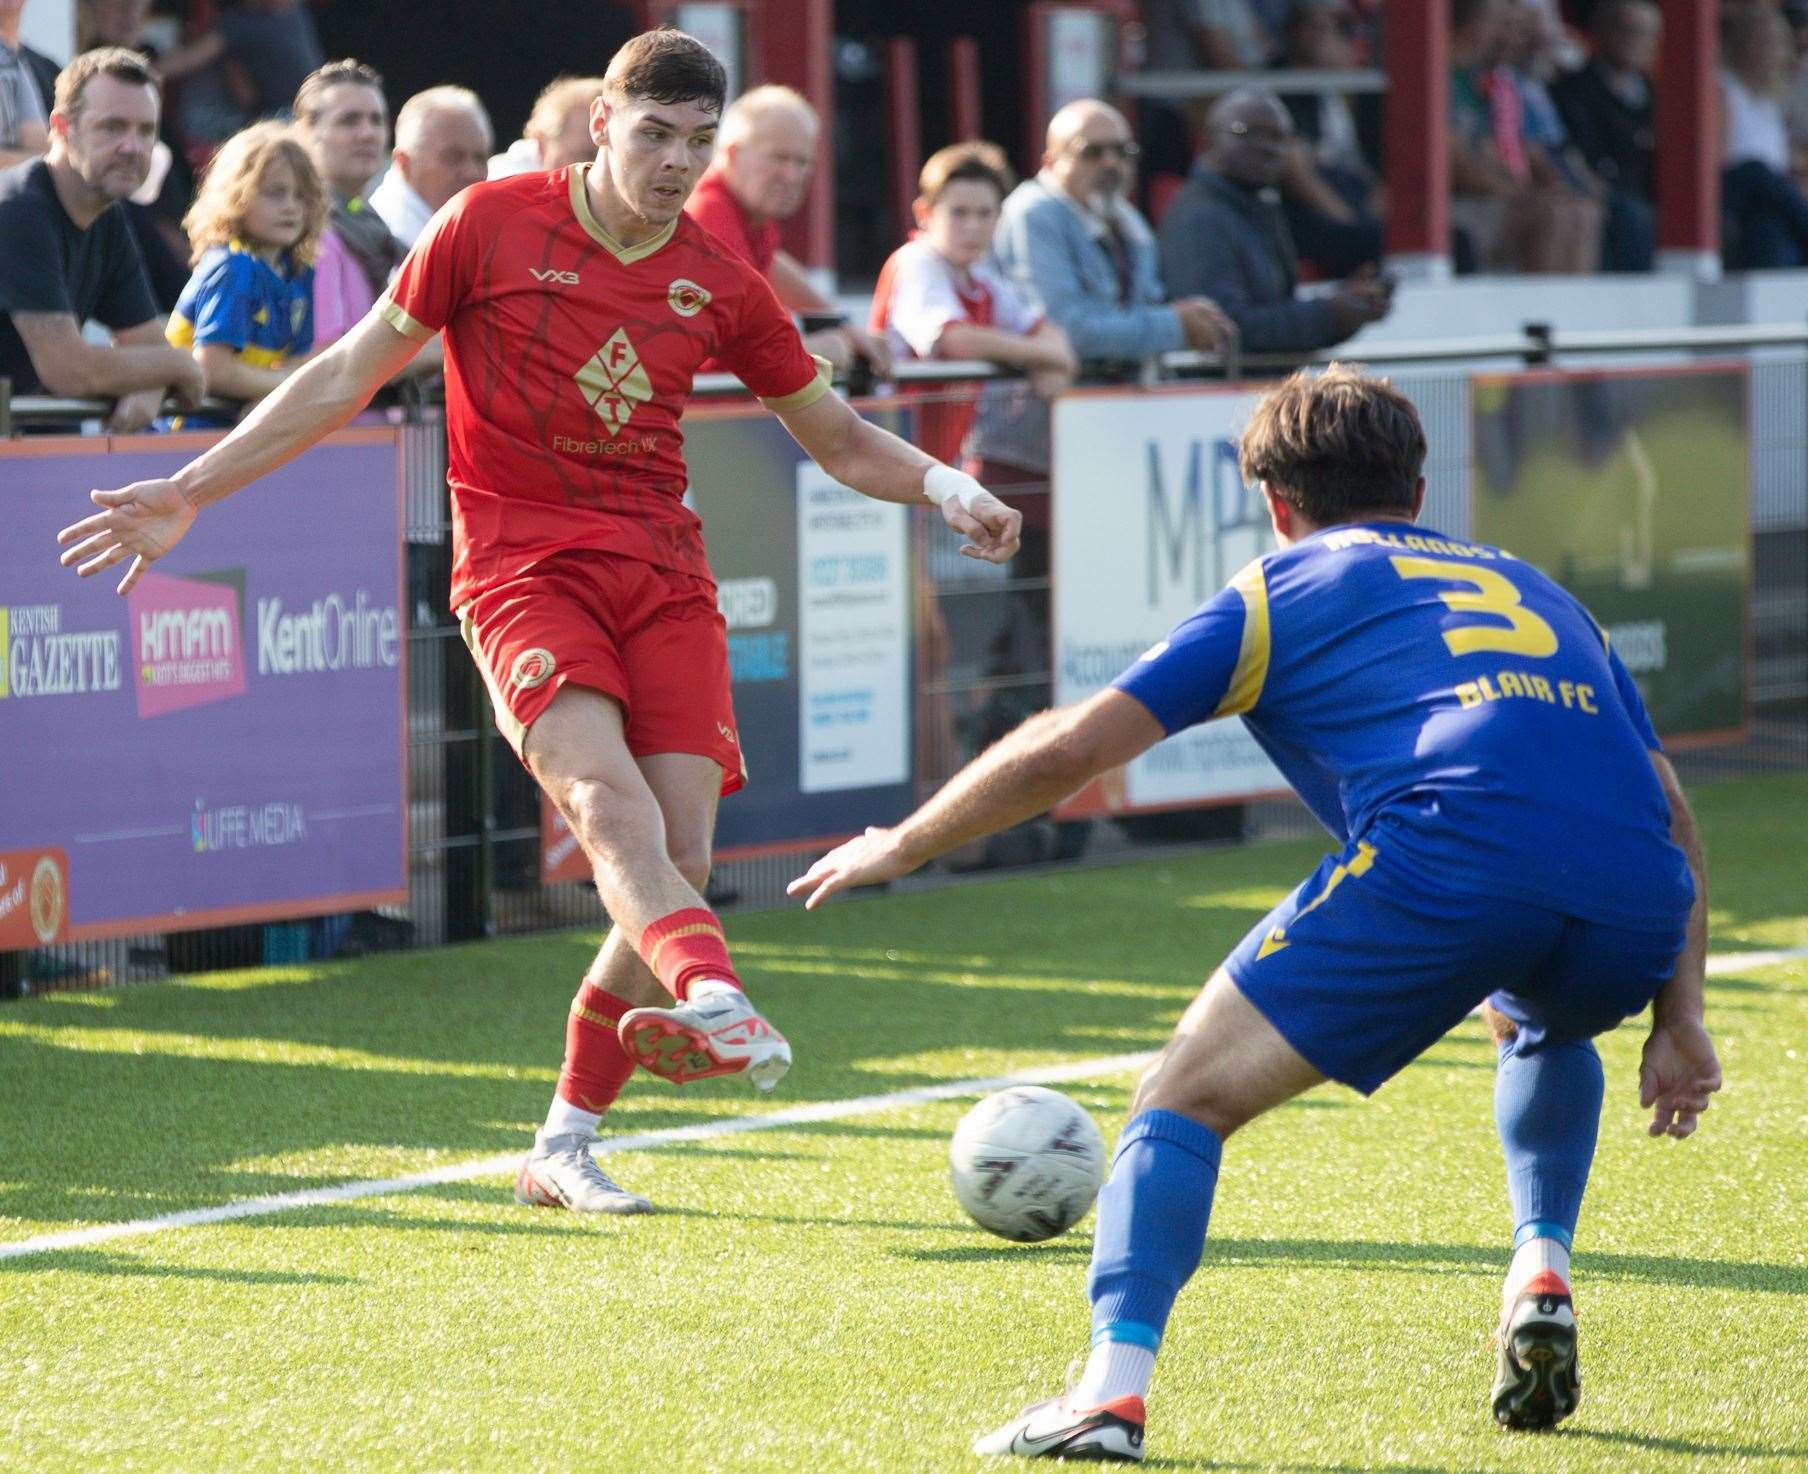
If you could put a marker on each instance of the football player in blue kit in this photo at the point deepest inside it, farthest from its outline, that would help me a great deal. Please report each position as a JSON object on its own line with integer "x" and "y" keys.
{"x": 1511, "y": 836}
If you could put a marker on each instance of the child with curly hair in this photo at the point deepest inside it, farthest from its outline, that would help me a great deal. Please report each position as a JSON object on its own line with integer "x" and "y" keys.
{"x": 247, "y": 311}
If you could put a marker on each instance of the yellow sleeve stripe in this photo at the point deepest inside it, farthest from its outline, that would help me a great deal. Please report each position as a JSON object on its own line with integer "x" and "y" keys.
{"x": 392, "y": 313}
{"x": 179, "y": 332}
{"x": 1247, "y": 679}
{"x": 809, "y": 394}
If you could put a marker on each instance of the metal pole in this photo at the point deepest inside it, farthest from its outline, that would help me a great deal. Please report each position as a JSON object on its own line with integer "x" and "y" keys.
{"x": 1688, "y": 125}
{"x": 1417, "y": 142}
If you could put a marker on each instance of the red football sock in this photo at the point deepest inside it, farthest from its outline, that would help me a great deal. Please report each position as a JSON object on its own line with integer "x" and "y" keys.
{"x": 596, "y": 1066}
{"x": 685, "y": 947}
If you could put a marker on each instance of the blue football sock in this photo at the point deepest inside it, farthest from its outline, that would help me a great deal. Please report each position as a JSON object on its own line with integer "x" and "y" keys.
{"x": 1151, "y": 1225}
{"x": 1547, "y": 1105}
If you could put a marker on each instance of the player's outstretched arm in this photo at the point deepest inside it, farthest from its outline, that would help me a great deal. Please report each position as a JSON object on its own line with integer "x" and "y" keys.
{"x": 880, "y": 465}
{"x": 1679, "y": 1070}
{"x": 145, "y": 520}
{"x": 1019, "y": 776}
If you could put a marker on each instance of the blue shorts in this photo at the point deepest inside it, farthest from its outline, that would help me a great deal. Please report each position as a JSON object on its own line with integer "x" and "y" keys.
{"x": 1362, "y": 968}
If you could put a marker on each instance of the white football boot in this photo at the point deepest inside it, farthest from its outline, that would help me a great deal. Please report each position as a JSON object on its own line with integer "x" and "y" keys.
{"x": 1539, "y": 1381}
{"x": 560, "y": 1172}
{"x": 1057, "y": 1429}
{"x": 715, "y": 1031}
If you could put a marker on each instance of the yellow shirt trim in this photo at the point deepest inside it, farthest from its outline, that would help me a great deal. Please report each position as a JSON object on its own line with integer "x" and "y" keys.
{"x": 397, "y": 317}
{"x": 580, "y": 206}
{"x": 179, "y": 332}
{"x": 1247, "y": 679}
{"x": 261, "y": 357}
{"x": 808, "y": 395}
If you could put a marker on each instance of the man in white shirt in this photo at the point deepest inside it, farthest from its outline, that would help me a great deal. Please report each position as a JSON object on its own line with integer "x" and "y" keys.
{"x": 442, "y": 144}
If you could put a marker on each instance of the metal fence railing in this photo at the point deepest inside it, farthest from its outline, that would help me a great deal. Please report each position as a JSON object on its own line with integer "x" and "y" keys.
{"x": 982, "y": 662}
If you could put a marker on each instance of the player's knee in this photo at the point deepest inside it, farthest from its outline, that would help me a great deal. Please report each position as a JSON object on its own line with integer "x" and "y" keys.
{"x": 692, "y": 859}
{"x": 1204, "y": 1099}
{"x": 604, "y": 815}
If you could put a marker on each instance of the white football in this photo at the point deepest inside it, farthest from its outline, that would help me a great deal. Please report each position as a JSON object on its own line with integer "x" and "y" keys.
{"x": 1027, "y": 1163}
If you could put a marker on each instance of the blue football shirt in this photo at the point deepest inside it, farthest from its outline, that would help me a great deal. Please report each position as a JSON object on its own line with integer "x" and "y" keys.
{"x": 238, "y": 299}
{"x": 1446, "y": 701}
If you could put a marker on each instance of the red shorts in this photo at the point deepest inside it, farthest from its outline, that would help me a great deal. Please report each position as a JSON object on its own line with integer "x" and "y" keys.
{"x": 649, "y": 637}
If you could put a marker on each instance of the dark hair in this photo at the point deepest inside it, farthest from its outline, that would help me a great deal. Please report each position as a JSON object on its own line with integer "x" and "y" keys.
{"x": 132, "y": 67}
{"x": 1463, "y": 12}
{"x": 982, "y": 163}
{"x": 312, "y": 92}
{"x": 667, "y": 65}
{"x": 1335, "y": 445}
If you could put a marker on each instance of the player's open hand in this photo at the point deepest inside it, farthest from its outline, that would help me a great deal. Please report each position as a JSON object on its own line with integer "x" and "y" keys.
{"x": 142, "y": 522}
{"x": 1676, "y": 1076}
{"x": 867, "y": 859}
{"x": 992, "y": 529}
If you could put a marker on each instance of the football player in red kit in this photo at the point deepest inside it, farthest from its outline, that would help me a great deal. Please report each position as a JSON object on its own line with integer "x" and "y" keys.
{"x": 575, "y": 307}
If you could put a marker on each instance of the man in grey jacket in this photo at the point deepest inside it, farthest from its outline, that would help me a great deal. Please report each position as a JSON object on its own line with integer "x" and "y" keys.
{"x": 1085, "y": 257}
{"x": 1086, "y": 260}
{"x": 1225, "y": 234}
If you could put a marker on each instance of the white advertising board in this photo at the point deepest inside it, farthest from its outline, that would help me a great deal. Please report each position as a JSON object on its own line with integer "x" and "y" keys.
{"x": 853, "y": 583}
{"x": 1151, "y": 518}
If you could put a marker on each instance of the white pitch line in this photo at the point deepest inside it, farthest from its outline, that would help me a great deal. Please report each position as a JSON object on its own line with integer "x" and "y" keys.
{"x": 825, "y": 1110}
{"x": 1726, "y": 962}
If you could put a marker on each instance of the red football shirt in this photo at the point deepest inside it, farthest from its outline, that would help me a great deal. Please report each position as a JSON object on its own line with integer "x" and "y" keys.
{"x": 713, "y": 206}
{"x": 568, "y": 361}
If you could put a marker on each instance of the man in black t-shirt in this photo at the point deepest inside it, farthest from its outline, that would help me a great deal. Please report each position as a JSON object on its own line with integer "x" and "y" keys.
{"x": 70, "y": 257}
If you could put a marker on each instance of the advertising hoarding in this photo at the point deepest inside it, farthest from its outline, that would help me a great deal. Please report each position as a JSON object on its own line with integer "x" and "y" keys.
{"x": 1151, "y": 518}
{"x": 1631, "y": 488}
{"x": 227, "y": 742}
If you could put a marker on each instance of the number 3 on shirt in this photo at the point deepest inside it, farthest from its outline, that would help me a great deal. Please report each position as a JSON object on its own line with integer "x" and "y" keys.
{"x": 1491, "y": 594}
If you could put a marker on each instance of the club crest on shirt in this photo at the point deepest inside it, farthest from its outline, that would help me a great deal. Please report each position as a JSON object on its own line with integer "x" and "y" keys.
{"x": 686, "y": 298}
{"x": 532, "y": 667}
{"x": 614, "y": 382}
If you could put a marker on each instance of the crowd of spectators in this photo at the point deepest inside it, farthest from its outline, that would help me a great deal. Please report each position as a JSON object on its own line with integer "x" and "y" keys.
{"x": 1552, "y": 124}
{"x": 1261, "y": 232}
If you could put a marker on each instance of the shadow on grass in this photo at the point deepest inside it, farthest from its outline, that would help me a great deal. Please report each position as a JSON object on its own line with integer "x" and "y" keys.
{"x": 123, "y": 1266}
{"x": 1294, "y": 1468}
{"x": 1054, "y": 1251}
{"x": 823, "y": 1220}
{"x": 1730, "y": 983}
{"x": 1706, "y": 1274}
{"x": 1687, "y": 1446}
{"x": 1232, "y": 1254}
{"x": 533, "y": 1222}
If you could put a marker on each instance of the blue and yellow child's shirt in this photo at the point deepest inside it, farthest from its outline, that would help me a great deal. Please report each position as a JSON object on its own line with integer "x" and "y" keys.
{"x": 1446, "y": 700}
{"x": 239, "y": 300}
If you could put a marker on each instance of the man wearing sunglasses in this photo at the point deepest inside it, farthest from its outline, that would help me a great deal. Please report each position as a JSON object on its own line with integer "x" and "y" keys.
{"x": 1087, "y": 260}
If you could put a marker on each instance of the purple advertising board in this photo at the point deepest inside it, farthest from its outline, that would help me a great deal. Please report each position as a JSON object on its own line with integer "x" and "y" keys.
{"x": 227, "y": 742}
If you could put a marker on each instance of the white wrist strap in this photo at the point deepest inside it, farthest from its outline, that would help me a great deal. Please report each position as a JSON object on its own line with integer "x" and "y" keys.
{"x": 942, "y": 482}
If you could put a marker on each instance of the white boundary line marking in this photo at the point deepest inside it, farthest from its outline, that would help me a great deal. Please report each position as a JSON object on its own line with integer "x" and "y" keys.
{"x": 824, "y": 1110}
{"x": 1725, "y": 962}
